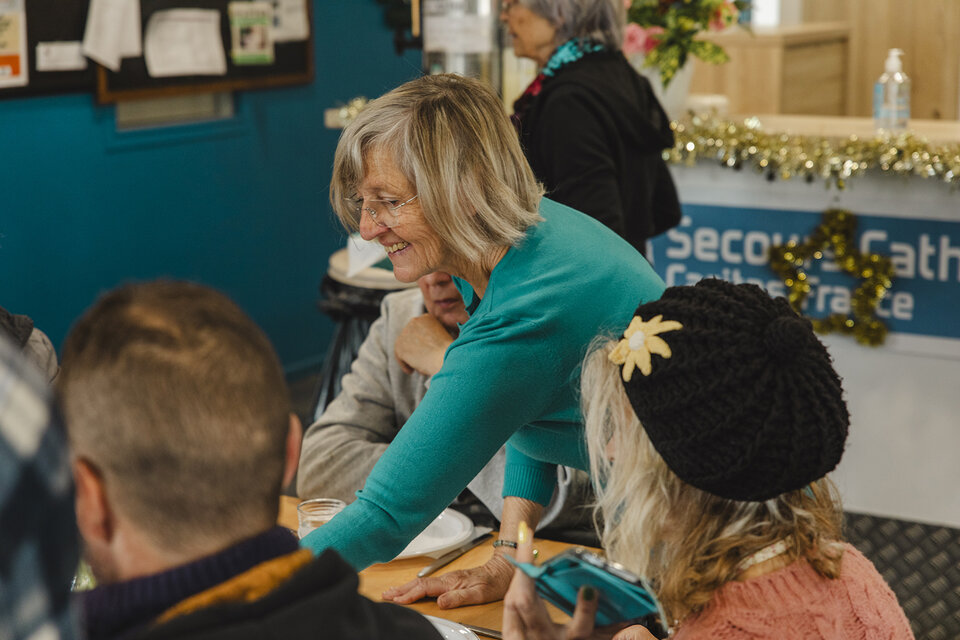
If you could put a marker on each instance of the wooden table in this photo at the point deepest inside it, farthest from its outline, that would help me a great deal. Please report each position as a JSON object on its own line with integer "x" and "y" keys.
{"x": 377, "y": 578}
{"x": 785, "y": 69}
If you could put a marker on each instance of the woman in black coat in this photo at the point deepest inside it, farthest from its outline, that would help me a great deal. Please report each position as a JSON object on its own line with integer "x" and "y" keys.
{"x": 589, "y": 124}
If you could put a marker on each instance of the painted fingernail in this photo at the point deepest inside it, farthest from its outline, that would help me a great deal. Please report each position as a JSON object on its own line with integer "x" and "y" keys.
{"x": 523, "y": 532}
{"x": 589, "y": 593}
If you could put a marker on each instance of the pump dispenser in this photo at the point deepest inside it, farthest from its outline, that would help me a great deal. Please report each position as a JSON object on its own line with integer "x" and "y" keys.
{"x": 891, "y": 95}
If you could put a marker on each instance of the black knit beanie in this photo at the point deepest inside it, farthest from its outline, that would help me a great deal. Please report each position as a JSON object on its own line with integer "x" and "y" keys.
{"x": 742, "y": 401}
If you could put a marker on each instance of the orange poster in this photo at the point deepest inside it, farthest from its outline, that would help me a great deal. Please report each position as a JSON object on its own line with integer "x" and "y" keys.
{"x": 13, "y": 44}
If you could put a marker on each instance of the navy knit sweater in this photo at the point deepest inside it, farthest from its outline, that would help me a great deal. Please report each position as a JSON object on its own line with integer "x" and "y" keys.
{"x": 115, "y": 610}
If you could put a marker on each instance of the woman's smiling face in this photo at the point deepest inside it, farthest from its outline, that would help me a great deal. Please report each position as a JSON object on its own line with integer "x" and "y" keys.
{"x": 412, "y": 245}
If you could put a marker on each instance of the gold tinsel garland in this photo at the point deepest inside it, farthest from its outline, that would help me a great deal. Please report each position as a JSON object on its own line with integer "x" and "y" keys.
{"x": 836, "y": 231}
{"x": 349, "y": 112}
{"x": 780, "y": 155}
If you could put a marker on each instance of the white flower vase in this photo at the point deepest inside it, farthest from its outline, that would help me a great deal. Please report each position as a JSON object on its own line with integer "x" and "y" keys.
{"x": 674, "y": 98}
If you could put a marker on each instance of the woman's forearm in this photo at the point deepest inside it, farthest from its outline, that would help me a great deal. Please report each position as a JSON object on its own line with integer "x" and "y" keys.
{"x": 515, "y": 511}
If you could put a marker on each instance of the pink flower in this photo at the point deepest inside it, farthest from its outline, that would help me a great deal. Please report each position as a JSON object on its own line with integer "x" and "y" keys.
{"x": 627, "y": 3}
{"x": 636, "y": 39}
{"x": 724, "y": 16}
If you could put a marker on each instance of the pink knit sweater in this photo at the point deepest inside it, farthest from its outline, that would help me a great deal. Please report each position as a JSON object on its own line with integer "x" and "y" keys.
{"x": 797, "y": 603}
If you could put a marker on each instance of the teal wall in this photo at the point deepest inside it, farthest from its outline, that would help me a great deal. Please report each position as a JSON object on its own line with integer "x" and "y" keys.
{"x": 240, "y": 206}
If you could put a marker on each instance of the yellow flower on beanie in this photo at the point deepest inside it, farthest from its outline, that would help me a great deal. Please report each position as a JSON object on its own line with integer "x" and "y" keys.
{"x": 639, "y": 341}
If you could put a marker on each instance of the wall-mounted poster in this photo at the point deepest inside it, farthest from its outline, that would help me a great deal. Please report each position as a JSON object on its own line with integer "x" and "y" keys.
{"x": 291, "y": 20}
{"x": 184, "y": 42}
{"x": 251, "y": 25}
{"x": 13, "y": 44}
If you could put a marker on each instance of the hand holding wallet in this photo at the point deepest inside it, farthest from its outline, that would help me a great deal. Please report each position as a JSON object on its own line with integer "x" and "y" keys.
{"x": 622, "y": 596}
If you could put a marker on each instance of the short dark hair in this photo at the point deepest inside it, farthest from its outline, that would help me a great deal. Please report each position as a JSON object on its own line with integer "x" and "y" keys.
{"x": 179, "y": 400}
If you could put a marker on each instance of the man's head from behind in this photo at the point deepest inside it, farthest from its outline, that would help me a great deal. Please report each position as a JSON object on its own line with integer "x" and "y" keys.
{"x": 178, "y": 417}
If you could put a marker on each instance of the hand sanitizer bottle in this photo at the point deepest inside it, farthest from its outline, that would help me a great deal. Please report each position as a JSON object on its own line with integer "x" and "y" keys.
{"x": 891, "y": 95}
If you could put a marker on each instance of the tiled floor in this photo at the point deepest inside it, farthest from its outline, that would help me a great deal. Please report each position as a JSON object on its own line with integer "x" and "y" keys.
{"x": 921, "y": 563}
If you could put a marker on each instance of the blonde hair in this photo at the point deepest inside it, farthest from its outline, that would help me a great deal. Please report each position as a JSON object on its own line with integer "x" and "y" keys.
{"x": 599, "y": 20}
{"x": 452, "y": 140}
{"x": 688, "y": 542}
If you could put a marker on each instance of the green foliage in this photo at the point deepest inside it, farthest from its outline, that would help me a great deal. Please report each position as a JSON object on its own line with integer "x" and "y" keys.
{"x": 673, "y": 26}
{"x": 709, "y": 52}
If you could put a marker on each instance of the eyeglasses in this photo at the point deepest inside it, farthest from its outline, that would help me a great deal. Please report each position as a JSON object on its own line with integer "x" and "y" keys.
{"x": 385, "y": 213}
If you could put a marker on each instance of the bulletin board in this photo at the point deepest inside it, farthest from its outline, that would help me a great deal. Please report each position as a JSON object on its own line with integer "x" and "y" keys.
{"x": 292, "y": 64}
{"x": 65, "y": 21}
{"x": 53, "y": 21}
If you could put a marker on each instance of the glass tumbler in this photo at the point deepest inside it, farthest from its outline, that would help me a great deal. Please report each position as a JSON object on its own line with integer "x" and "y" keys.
{"x": 316, "y": 512}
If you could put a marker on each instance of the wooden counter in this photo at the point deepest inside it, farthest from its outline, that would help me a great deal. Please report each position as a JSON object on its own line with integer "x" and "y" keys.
{"x": 795, "y": 69}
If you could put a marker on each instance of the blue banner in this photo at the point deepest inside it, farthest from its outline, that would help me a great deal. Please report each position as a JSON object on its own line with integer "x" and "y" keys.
{"x": 732, "y": 243}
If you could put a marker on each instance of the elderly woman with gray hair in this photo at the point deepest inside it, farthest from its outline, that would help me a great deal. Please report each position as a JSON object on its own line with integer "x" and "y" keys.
{"x": 434, "y": 173}
{"x": 589, "y": 125}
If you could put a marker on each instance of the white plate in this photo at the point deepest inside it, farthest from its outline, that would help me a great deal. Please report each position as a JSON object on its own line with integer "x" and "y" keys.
{"x": 448, "y": 530}
{"x": 451, "y": 630}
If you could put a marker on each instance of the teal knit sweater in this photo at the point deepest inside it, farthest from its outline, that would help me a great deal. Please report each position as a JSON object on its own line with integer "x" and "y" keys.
{"x": 511, "y": 376}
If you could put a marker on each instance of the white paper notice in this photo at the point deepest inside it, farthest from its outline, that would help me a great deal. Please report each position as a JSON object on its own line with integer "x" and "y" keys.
{"x": 112, "y": 32}
{"x": 185, "y": 42}
{"x": 362, "y": 254}
{"x": 290, "y": 21}
{"x": 13, "y": 44}
{"x": 60, "y": 56}
{"x": 458, "y": 34}
{"x": 131, "y": 44}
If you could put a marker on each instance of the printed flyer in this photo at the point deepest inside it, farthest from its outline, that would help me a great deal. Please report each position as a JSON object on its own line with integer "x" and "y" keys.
{"x": 250, "y": 30}
{"x": 13, "y": 44}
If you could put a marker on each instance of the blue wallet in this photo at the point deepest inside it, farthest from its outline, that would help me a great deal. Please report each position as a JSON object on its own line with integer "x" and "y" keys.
{"x": 623, "y": 597}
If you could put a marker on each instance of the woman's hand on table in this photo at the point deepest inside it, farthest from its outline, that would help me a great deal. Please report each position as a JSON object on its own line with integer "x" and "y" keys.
{"x": 421, "y": 345}
{"x": 525, "y": 616}
{"x": 485, "y": 583}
